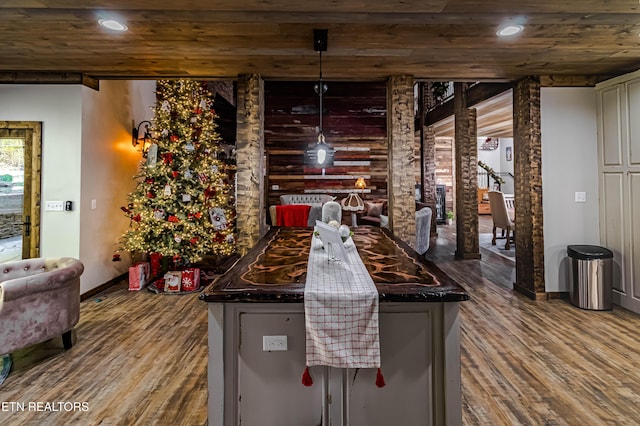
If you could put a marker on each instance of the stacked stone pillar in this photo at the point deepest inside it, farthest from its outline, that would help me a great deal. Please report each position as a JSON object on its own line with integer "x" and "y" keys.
{"x": 249, "y": 157}
{"x": 466, "y": 160}
{"x": 429, "y": 174}
{"x": 401, "y": 182}
{"x": 527, "y": 146}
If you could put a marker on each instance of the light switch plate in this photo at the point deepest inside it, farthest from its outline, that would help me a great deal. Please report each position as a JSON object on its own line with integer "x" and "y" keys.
{"x": 581, "y": 197}
{"x": 54, "y": 206}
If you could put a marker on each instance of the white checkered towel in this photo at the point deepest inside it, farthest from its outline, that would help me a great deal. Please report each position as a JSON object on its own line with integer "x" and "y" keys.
{"x": 341, "y": 311}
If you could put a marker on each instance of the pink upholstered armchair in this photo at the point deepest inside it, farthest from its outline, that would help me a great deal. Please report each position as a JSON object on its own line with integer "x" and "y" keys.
{"x": 39, "y": 300}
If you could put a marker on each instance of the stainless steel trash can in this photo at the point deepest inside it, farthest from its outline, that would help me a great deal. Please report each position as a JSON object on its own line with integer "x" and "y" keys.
{"x": 591, "y": 268}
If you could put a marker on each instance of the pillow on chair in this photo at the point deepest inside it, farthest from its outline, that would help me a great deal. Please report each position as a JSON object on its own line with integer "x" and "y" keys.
{"x": 373, "y": 209}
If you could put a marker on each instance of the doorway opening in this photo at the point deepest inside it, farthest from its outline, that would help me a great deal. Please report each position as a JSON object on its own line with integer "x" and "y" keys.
{"x": 20, "y": 169}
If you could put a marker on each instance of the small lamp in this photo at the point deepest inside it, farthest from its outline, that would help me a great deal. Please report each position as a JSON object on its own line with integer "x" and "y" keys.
{"x": 360, "y": 184}
{"x": 353, "y": 203}
{"x": 135, "y": 135}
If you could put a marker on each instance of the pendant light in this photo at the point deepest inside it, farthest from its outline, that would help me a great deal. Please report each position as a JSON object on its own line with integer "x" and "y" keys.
{"x": 323, "y": 152}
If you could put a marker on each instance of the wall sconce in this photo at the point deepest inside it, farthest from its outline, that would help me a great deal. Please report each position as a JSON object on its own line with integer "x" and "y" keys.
{"x": 135, "y": 136}
{"x": 360, "y": 184}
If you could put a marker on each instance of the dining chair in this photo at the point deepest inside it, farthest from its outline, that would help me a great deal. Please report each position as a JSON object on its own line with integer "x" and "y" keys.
{"x": 500, "y": 216}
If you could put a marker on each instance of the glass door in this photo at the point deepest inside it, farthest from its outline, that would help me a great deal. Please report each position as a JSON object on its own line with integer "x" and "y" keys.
{"x": 11, "y": 198}
{"x": 20, "y": 165}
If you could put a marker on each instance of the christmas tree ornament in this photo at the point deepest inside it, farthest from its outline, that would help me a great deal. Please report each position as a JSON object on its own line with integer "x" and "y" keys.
{"x": 189, "y": 147}
{"x": 158, "y": 214}
{"x": 218, "y": 218}
{"x": 152, "y": 155}
{"x": 186, "y": 198}
{"x": 167, "y": 190}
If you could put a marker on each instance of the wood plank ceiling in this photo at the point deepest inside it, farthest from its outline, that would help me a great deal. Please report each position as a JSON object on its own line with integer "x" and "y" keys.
{"x": 368, "y": 39}
{"x": 437, "y": 40}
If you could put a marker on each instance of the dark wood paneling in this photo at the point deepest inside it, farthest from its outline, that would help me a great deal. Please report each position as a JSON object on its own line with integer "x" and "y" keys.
{"x": 354, "y": 123}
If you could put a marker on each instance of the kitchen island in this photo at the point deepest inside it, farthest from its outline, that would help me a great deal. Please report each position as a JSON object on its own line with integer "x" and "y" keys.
{"x": 263, "y": 294}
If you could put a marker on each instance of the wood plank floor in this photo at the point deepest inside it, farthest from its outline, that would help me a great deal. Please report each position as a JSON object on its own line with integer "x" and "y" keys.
{"x": 141, "y": 359}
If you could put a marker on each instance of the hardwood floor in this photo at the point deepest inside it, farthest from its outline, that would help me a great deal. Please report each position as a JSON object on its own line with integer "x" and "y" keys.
{"x": 141, "y": 358}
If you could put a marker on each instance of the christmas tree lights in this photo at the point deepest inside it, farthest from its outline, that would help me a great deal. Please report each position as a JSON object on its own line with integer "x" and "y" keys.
{"x": 181, "y": 207}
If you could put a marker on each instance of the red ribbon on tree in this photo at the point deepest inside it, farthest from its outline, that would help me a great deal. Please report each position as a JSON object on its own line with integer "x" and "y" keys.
{"x": 137, "y": 218}
{"x": 173, "y": 219}
{"x": 194, "y": 240}
{"x": 167, "y": 158}
{"x": 174, "y": 138}
{"x": 174, "y": 173}
{"x": 150, "y": 195}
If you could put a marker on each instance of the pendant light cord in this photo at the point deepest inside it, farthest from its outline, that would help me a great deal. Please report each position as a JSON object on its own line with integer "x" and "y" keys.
{"x": 320, "y": 91}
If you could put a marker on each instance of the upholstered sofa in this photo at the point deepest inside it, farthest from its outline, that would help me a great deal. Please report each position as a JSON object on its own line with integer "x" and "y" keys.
{"x": 316, "y": 201}
{"x": 309, "y": 199}
{"x": 39, "y": 300}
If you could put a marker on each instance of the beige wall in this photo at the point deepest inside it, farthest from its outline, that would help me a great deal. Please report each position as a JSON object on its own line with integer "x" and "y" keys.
{"x": 59, "y": 109}
{"x": 569, "y": 165}
{"x": 109, "y": 162}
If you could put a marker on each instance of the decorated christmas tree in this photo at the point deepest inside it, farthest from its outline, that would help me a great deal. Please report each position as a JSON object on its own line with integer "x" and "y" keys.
{"x": 181, "y": 207}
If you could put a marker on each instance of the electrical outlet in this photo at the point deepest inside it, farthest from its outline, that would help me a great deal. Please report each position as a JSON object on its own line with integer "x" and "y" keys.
{"x": 54, "y": 206}
{"x": 274, "y": 343}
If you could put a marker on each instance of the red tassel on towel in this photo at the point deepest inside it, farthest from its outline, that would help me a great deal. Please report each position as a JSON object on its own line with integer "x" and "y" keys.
{"x": 306, "y": 377}
{"x": 379, "y": 379}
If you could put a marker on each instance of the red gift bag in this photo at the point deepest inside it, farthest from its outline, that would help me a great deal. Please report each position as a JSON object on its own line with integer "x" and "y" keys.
{"x": 154, "y": 258}
{"x": 190, "y": 279}
{"x": 138, "y": 275}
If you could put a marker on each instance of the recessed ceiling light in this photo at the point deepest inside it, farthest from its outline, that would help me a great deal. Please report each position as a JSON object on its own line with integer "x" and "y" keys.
{"x": 509, "y": 30}
{"x": 112, "y": 24}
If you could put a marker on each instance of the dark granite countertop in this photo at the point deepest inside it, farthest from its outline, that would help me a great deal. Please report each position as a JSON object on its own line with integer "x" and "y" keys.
{"x": 275, "y": 270}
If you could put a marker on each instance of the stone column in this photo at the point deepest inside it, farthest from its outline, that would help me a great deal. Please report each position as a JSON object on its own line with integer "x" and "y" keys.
{"x": 249, "y": 157}
{"x": 401, "y": 181}
{"x": 527, "y": 147}
{"x": 429, "y": 176}
{"x": 466, "y": 159}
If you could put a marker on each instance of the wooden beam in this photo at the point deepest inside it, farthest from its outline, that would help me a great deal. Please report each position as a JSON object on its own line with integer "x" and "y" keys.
{"x": 49, "y": 78}
{"x": 475, "y": 94}
{"x": 570, "y": 80}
